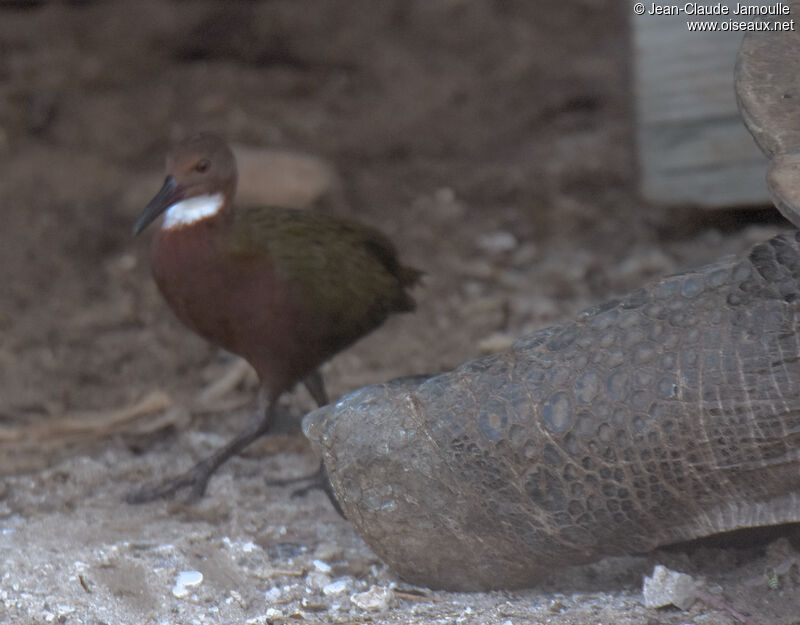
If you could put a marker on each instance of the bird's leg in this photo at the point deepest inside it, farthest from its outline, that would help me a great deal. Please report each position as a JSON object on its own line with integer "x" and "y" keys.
{"x": 319, "y": 479}
{"x": 196, "y": 479}
{"x": 316, "y": 480}
{"x": 316, "y": 386}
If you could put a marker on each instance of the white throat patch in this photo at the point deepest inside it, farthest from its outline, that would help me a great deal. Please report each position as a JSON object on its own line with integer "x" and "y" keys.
{"x": 192, "y": 210}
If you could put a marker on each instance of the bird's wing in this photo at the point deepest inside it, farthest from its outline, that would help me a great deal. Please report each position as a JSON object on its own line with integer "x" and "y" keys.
{"x": 347, "y": 273}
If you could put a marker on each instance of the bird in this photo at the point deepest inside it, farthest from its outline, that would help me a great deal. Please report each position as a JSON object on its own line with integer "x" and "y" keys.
{"x": 284, "y": 288}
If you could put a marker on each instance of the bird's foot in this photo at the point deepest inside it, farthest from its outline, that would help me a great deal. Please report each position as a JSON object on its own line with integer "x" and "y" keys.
{"x": 318, "y": 480}
{"x": 196, "y": 480}
{"x": 315, "y": 480}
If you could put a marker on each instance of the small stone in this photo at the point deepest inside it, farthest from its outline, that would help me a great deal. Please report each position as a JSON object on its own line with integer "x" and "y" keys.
{"x": 376, "y": 599}
{"x": 317, "y": 580}
{"x": 555, "y": 606}
{"x": 273, "y": 594}
{"x": 780, "y": 549}
{"x": 667, "y": 587}
{"x": 328, "y": 552}
{"x": 272, "y": 614}
{"x": 497, "y": 242}
{"x": 336, "y": 588}
{"x": 322, "y": 567}
{"x": 186, "y": 580}
{"x": 235, "y": 596}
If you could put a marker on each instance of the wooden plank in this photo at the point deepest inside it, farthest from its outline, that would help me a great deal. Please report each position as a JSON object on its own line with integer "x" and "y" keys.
{"x": 692, "y": 145}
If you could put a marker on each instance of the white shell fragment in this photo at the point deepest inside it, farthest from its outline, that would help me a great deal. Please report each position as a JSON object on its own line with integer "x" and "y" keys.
{"x": 338, "y": 587}
{"x": 271, "y": 614}
{"x": 376, "y": 599}
{"x": 317, "y": 580}
{"x": 186, "y": 580}
{"x": 667, "y": 587}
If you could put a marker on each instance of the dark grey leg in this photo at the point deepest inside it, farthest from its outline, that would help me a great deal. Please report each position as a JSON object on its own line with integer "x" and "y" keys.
{"x": 316, "y": 386}
{"x": 196, "y": 479}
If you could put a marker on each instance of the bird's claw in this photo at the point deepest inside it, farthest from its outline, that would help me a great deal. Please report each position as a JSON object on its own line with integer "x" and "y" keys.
{"x": 318, "y": 480}
{"x": 196, "y": 480}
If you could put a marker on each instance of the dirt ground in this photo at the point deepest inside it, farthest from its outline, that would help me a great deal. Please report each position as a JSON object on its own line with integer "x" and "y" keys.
{"x": 491, "y": 139}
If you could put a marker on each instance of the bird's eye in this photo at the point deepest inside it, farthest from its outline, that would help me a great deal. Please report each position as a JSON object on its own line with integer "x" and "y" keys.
{"x": 202, "y": 166}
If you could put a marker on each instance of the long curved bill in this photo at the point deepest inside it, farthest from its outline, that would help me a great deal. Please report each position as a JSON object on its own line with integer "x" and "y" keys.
{"x": 170, "y": 193}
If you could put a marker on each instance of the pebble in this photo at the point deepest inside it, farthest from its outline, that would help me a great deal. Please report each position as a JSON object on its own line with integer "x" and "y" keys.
{"x": 497, "y": 242}
{"x": 376, "y": 599}
{"x": 317, "y": 580}
{"x": 273, "y": 594}
{"x": 270, "y": 615}
{"x": 186, "y": 580}
{"x": 328, "y": 551}
{"x": 667, "y": 587}
{"x": 336, "y": 588}
{"x": 322, "y": 567}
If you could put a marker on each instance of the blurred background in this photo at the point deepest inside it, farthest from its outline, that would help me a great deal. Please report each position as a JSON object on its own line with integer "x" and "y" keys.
{"x": 493, "y": 140}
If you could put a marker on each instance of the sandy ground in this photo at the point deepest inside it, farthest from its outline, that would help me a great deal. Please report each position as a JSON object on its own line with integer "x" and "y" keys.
{"x": 491, "y": 140}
